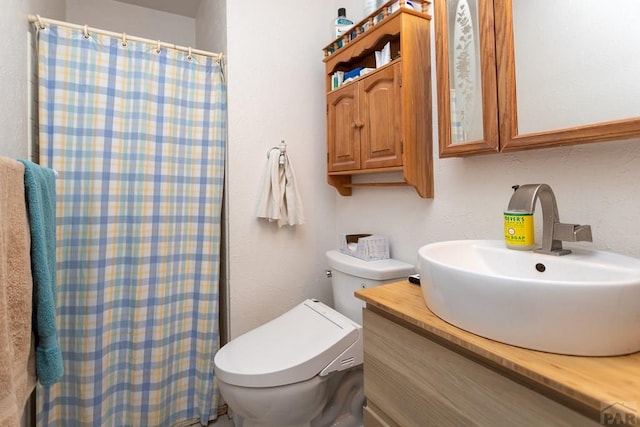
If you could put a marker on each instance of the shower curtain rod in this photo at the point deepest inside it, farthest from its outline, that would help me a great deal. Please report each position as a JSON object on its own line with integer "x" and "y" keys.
{"x": 41, "y": 22}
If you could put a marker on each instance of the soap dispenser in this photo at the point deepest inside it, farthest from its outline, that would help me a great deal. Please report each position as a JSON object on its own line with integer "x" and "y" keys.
{"x": 519, "y": 232}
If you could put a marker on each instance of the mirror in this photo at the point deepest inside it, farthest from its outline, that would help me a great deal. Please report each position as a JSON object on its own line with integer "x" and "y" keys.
{"x": 521, "y": 74}
{"x": 567, "y": 71}
{"x": 595, "y": 63}
{"x": 466, "y": 74}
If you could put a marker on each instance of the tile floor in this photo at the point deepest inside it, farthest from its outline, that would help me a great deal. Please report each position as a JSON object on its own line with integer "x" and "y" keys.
{"x": 222, "y": 421}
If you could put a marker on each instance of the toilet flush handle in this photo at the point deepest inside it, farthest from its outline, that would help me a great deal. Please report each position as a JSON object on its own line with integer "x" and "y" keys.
{"x": 329, "y": 274}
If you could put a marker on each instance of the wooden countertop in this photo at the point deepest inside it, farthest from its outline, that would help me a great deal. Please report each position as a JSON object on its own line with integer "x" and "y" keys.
{"x": 589, "y": 384}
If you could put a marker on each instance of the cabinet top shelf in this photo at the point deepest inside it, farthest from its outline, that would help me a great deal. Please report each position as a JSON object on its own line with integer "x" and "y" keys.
{"x": 375, "y": 23}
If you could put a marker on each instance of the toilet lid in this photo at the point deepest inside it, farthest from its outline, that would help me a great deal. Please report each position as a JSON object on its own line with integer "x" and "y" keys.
{"x": 293, "y": 347}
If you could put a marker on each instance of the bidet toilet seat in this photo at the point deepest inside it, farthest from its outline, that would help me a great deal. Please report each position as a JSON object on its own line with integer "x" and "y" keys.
{"x": 308, "y": 340}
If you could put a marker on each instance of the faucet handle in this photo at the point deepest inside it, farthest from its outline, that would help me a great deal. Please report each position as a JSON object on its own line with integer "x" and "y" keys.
{"x": 583, "y": 233}
{"x": 572, "y": 232}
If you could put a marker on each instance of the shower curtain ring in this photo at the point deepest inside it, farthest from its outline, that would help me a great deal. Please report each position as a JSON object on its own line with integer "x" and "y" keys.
{"x": 124, "y": 39}
{"x": 189, "y": 57}
{"x": 40, "y": 24}
{"x": 158, "y": 47}
{"x": 86, "y": 31}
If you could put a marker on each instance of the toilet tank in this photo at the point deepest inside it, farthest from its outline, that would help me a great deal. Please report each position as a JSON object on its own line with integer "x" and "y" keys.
{"x": 349, "y": 274}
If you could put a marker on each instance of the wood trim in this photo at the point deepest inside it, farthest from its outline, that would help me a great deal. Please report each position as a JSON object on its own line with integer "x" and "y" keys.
{"x": 382, "y": 10}
{"x": 379, "y": 184}
{"x": 342, "y": 183}
{"x": 375, "y": 417}
{"x": 416, "y": 105}
{"x": 510, "y": 138}
{"x": 367, "y": 171}
{"x": 366, "y": 43}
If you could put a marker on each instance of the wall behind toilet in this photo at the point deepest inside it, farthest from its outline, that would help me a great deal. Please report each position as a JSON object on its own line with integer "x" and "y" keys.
{"x": 276, "y": 91}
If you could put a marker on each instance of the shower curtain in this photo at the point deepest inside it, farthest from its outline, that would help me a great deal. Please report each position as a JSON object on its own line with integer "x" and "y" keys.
{"x": 138, "y": 138}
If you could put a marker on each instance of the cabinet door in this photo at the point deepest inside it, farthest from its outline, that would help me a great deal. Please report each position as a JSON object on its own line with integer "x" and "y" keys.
{"x": 343, "y": 129}
{"x": 381, "y": 118}
{"x": 416, "y": 382}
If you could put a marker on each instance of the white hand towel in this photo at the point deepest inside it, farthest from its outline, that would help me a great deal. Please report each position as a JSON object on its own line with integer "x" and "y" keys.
{"x": 295, "y": 215}
{"x": 280, "y": 200}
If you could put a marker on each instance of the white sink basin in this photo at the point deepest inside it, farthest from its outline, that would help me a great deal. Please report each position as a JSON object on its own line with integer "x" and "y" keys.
{"x": 586, "y": 303}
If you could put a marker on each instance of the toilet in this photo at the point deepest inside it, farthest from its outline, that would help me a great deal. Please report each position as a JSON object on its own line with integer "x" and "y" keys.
{"x": 304, "y": 368}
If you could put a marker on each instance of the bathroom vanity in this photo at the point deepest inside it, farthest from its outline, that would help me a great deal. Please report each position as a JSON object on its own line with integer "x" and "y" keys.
{"x": 422, "y": 371}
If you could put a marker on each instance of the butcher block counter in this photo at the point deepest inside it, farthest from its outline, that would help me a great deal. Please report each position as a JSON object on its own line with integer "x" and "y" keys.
{"x": 421, "y": 371}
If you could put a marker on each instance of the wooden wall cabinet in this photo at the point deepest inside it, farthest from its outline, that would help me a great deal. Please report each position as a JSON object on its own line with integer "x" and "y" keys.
{"x": 412, "y": 380}
{"x": 381, "y": 121}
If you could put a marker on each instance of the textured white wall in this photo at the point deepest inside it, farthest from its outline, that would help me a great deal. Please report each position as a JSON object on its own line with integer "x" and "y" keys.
{"x": 211, "y": 26}
{"x": 276, "y": 87}
{"x": 276, "y": 91}
{"x": 134, "y": 20}
{"x": 14, "y": 79}
{"x": 594, "y": 184}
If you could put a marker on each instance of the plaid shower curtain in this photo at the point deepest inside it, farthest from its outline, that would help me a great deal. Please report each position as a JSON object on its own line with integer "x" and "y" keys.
{"x": 138, "y": 138}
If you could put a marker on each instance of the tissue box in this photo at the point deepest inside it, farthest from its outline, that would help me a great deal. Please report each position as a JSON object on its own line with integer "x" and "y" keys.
{"x": 368, "y": 247}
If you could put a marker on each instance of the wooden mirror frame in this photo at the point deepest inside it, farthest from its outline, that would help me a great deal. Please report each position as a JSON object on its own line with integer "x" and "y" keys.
{"x": 510, "y": 138}
{"x": 489, "y": 142}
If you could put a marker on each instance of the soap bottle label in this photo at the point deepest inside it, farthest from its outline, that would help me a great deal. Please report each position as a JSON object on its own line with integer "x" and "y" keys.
{"x": 343, "y": 25}
{"x": 518, "y": 230}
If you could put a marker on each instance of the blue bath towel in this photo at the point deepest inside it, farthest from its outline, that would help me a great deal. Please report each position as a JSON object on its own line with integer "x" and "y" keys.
{"x": 41, "y": 205}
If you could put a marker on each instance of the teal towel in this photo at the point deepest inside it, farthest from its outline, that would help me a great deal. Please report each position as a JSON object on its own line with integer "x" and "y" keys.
{"x": 40, "y": 189}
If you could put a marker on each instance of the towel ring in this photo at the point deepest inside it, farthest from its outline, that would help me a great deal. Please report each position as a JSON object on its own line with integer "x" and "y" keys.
{"x": 282, "y": 148}
{"x": 283, "y": 151}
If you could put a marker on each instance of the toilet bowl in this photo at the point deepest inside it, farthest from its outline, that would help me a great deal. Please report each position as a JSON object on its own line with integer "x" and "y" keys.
{"x": 303, "y": 368}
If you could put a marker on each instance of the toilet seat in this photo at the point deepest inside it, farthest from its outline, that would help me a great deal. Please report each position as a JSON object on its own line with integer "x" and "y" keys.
{"x": 308, "y": 340}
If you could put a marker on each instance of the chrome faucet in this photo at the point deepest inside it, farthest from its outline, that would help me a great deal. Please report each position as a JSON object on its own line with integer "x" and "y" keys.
{"x": 553, "y": 231}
